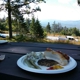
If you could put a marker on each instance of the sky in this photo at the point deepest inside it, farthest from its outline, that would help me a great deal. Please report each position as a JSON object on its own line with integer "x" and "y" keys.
{"x": 57, "y": 10}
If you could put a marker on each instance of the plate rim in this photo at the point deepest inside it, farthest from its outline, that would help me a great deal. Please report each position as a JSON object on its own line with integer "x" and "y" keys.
{"x": 20, "y": 65}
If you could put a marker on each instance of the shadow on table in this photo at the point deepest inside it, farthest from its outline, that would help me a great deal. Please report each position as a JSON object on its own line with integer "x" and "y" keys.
{"x": 25, "y": 75}
{"x": 63, "y": 76}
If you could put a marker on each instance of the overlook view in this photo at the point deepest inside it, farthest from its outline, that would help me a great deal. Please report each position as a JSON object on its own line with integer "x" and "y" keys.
{"x": 39, "y": 39}
{"x": 37, "y": 21}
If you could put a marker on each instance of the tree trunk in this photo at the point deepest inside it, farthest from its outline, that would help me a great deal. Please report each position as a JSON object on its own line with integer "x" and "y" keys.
{"x": 9, "y": 20}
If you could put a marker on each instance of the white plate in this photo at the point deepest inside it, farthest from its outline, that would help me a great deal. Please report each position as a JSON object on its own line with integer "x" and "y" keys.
{"x": 3, "y": 41}
{"x": 71, "y": 65}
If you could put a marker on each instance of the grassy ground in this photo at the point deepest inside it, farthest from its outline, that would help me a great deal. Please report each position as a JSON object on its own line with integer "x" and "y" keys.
{"x": 67, "y": 41}
{"x": 45, "y": 41}
{"x": 28, "y": 39}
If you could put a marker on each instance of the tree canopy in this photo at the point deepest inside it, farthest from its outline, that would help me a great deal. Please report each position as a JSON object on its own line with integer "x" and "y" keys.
{"x": 15, "y": 9}
{"x": 36, "y": 28}
{"x": 48, "y": 27}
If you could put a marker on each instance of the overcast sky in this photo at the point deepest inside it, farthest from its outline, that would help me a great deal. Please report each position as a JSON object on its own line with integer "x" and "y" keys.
{"x": 58, "y": 10}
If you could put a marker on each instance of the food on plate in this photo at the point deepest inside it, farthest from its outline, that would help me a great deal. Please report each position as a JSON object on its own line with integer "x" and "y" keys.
{"x": 58, "y": 56}
{"x": 50, "y": 59}
{"x": 55, "y": 67}
{"x": 31, "y": 59}
{"x": 27, "y": 62}
{"x": 34, "y": 64}
{"x": 47, "y": 62}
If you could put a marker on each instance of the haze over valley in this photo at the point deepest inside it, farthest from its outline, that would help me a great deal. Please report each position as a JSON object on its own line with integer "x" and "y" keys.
{"x": 67, "y": 23}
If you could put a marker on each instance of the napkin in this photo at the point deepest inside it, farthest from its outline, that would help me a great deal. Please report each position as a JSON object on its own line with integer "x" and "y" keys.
{"x": 2, "y": 57}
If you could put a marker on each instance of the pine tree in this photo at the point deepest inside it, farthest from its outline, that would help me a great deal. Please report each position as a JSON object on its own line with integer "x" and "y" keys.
{"x": 39, "y": 29}
{"x": 36, "y": 28}
{"x": 32, "y": 27}
{"x": 13, "y": 6}
{"x": 48, "y": 28}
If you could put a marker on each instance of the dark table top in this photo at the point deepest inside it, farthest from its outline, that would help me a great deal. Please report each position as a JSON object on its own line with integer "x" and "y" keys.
{"x": 14, "y": 50}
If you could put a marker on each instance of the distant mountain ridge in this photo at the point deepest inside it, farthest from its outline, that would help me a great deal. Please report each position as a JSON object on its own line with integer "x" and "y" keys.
{"x": 67, "y": 23}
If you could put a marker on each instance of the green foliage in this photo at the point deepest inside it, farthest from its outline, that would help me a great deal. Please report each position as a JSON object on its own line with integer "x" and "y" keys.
{"x": 39, "y": 29}
{"x": 27, "y": 24}
{"x": 14, "y": 8}
{"x": 57, "y": 28}
{"x": 65, "y": 31}
{"x": 20, "y": 38}
{"x": 48, "y": 28}
{"x": 75, "y": 31}
{"x": 45, "y": 34}
{"x": 2, "y": 25}
{"x": 32, "y": 26}
{"x": 36, "y": 28}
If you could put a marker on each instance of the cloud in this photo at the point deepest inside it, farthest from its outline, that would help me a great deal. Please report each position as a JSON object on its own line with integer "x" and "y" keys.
{"x": 59, "y": 12}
